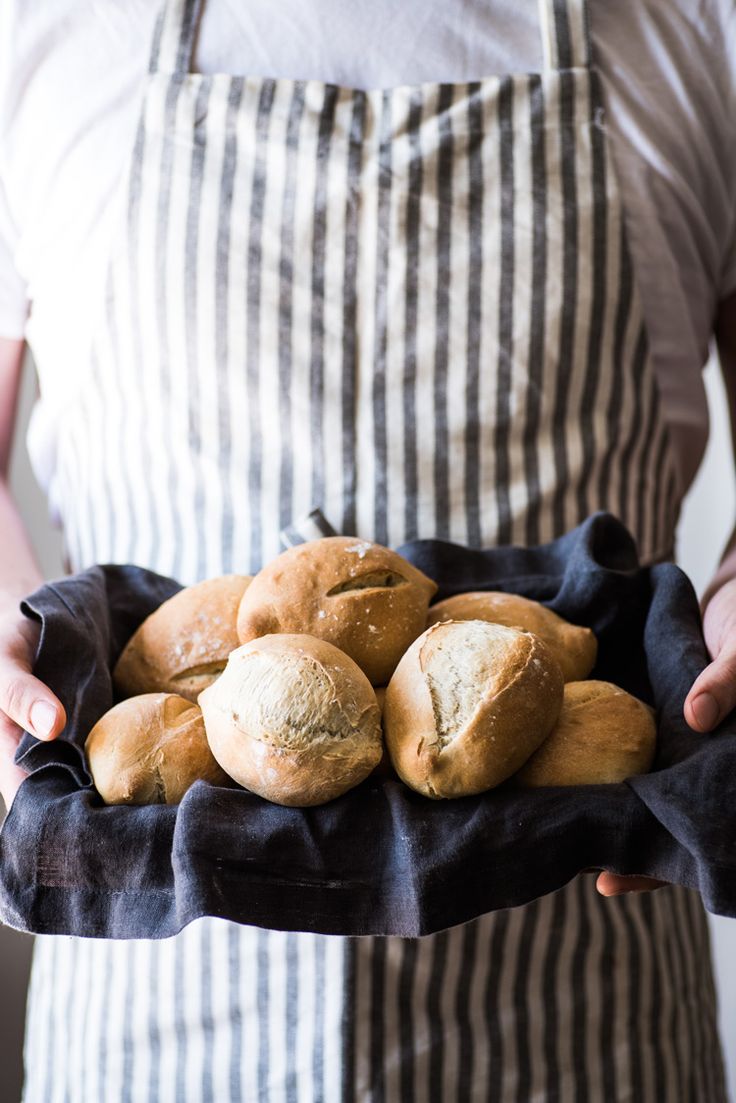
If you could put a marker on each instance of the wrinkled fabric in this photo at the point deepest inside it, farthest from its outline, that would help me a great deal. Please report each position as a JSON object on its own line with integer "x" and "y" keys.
{"x": 381, "y": 859}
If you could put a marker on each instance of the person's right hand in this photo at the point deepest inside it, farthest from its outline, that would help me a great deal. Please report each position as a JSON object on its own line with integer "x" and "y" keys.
{"x": 26, "y": 704}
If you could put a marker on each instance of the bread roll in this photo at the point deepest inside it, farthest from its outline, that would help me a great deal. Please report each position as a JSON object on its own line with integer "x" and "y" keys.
{"x": 574, "y": 647}
{"x": 293, "y": 719}
{"x": 361, "y": 597}
{"x": 468, "y": 704}
{"x": 149, "y": 750}
{"x": 183, "y": 646}
{"x": 603, "y": 735}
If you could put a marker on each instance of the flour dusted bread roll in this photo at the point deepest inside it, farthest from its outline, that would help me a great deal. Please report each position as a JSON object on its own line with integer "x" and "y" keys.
{"x": 603, "y": 735}
{"x": 150, "y": 750}
{"x": 469, "y": 703}
{"x": 574, "y": 647}
{"x": 184, "y": 644}
{"x": 293, "y": 719}
{"x": 361, "y": 597}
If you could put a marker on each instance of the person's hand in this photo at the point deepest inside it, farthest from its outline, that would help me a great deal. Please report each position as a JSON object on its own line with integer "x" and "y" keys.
{"x": 26, "y": 704}
{"x": 712, "y": 696}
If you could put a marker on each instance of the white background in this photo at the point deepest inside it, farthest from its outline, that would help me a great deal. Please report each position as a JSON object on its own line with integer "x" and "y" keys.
{"x": 708, "y": 517}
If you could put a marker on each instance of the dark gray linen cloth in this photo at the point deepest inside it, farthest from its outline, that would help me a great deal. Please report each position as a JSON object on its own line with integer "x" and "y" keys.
{"x": 381, "y": 859}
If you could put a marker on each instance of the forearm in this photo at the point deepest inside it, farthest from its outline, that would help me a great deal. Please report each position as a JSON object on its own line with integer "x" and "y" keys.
{"x": 20, "y": 573}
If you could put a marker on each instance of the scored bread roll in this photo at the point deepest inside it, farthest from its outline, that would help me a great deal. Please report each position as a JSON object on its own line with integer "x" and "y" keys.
{"x": 469, "y": 703}
{"x": 184, "y": 644}
{"x": 293, "y": 719}
{"x": 149, "y": 750}
{"x": 361, "y": 597}
{"x": 603, "y": 735}
{"x": 574, "y": 647}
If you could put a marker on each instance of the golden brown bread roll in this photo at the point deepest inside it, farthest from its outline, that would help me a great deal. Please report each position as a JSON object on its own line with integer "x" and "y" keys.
{"x": 184, "y": 644}
{"x": 603, "y": 735}
{"x": 469, "y": 703}
{"x": 293, "y": 719}
{"x": 149, "y": 750}
{"x": 574, "y": 647}
{"x": 361, "y": 597}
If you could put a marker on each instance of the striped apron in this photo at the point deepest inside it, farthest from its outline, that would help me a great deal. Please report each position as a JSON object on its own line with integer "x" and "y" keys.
{"x": 414, "y": 308}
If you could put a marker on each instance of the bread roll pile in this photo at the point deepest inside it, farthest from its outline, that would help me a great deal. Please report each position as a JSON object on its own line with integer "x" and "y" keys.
{"x": 330, "y": 665}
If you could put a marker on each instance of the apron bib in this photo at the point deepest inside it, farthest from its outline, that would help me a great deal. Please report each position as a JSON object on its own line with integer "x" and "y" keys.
{"x": 415, "y": 309}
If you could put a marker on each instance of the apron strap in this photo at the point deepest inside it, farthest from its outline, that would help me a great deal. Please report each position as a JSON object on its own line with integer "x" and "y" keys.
{"x": 565, "y": 34}
{"x": 172, "y": 47}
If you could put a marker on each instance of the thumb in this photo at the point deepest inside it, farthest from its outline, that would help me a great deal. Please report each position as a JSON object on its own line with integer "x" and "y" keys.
{"x": 713, "y": 693}
{"x": 28, "y": 702}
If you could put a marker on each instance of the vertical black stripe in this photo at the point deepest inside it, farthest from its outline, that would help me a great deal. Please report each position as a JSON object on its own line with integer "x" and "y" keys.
{"x": 350, "y": 356}
{"x": 191, "y": 250}
{"x": 599, "y": 297}
{"x": 469, "y": 962}
{"x": 494, "y": 1015}
{"x": 672, "y": 972}
{"x": 523, "y": 1018}
{"x": 686, "y": 1004}
{"x": 319, "y": 250}
{"x": 253, "y": 310}
{"x": 187, "y": 37}
{"x": 650, "y": 484}
{"x": 381, "y": 323}
{"x": 235, "y": 1013}
{"x": 505, "y": 311}
{"x": 286, "y": 291}
{"x": 125, "y": 1035}
{"x": 614, "y": 412}
{"x": 445, "y": 160}
{"x": 377, "y": 966}
{"x": 628, "y": 475}
{"x": 183, "y": 960}
{"x": 609, "y": 966}
{"x": 569, "y": 318}
{"x": 349, "y": 1020}
{"x": 562, "y": 34}
{"x": 406, "y": 1019}
{"x": 476, "y": 138}
{"x": 415, "y": 180}
{"x": 558, "y": 925}
{"x": 150, "y": 524}
{"x": 154, "y": 1029}
{"x": 264, "y": 1000}
{"x": 207, "y": 1023}
{"x": 168, "y": 379}
{"x": 222, "y": 312}
{"x": 537, "y": 319}
{"x": 158, "y": 30}
{"x": 292, "y": 1015}
{"x": 644, "y": 899}
{"x": 580, "y": 965}
{"x": 437, "y": 1026}
{"x": 634, "y": 1022}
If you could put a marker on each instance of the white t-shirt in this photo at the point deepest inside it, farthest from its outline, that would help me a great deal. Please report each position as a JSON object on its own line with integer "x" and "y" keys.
{"x": 72, "y": 73}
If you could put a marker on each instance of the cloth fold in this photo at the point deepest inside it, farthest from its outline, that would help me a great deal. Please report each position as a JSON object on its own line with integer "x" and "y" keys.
{"x": 381, "y": 859}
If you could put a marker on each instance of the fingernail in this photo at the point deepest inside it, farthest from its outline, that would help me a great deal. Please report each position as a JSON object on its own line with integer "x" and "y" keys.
{"x": 43, "y": 718}
{"x": 705, "y": 708}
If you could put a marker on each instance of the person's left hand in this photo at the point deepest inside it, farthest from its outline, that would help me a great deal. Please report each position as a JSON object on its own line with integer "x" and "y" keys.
{"x": 712, "y": 696}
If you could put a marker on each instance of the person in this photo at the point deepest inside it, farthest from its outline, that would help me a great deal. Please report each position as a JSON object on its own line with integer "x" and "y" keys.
{"x": 371, "y": 276}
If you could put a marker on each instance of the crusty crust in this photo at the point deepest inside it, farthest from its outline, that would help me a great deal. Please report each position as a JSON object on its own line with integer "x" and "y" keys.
{"x": 515, "y": 710}
{"x": 293, "y": 719}
{"x": 184, "y": 644}
{"x": 604, "y": 735}
{"x": 149, "y": 750}
{"x": 574, "y": 647}
{"x": 359, "y": 596}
